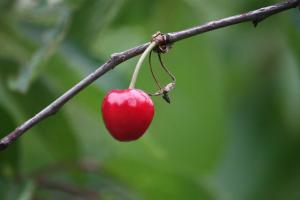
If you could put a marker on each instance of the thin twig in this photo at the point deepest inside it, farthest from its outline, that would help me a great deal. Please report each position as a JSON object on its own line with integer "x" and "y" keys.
{"x": 255, "y": 16}
{"x": 70, "y": 189}
{"x": 84, "y": 165}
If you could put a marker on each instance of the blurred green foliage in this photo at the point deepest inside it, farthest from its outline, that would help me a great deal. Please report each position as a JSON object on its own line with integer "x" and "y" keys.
{"x": 232, "y": 131}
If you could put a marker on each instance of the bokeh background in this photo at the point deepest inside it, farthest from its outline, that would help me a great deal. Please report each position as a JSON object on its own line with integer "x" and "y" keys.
{"x": 231, "y": 132}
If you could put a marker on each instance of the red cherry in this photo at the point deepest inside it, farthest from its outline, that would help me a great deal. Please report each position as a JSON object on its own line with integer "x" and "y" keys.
{"x": 127, "y": 113}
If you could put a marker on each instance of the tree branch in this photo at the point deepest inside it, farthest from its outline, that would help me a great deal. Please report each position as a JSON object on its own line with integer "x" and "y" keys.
{"x": 255, "y": 16}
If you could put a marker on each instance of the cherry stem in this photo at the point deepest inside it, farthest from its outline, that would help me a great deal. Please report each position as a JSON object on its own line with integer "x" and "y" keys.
{"x": 139, "y": 64}
{"x": 152, "y": 72}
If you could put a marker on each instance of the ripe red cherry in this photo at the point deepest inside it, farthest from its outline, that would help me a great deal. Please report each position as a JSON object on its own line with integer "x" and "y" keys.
{"x": 127, "y": 113}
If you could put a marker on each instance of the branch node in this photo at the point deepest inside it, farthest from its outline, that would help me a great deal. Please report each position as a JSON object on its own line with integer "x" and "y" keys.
{"x": 162, "y": 41}
{"x": 116, "y": 56}
{"x": 255, "y": 23}
{"x": 3, "y": 145}
{"x": 113, "y": 55}
{"x": 258, "y": 20}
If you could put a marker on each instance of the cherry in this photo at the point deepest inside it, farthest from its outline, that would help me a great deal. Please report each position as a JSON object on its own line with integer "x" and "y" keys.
{"x": 127, "y": 113}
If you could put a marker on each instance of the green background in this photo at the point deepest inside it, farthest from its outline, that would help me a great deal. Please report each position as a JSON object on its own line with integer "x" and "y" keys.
{"x": 231, "y": 132}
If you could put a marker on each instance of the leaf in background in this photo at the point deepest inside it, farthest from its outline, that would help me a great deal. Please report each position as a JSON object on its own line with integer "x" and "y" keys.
{"x": 259, "y": 164}
{"x": 83, "y": 63}
{"x": 9, "y": 158}
{"x": 55, "y": 133}
{"x": 31, "y": 71}
{"x": 6, "y": 6}
{"x": 74, "y": 4}
{"x": 292, "y": 31}
{"x": 51, "y": 140}
{"x": 15, "y": 46}
{"x": 207, "y": 10}
{"x": 62, "y": 76}
{"x": 261, "y": 160}
{"x": 113, "y": 41}
{"x": 154, "y": 182}
{"x": 289, "y": 91}
{"x": 83, "y": 110}
{"x": 92, "y": 17}
{"x": 28, "y": 191}
{"x": 8, "y": 68}
{"x": 135, "y": 12}
{"x": 9, "y": 165}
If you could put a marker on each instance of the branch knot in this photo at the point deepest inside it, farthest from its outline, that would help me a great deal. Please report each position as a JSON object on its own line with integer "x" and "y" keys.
{"x": 162, "y": 42}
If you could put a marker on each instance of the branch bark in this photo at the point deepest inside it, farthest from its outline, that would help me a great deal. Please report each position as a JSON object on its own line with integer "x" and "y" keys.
{"x": 255, "y": 17}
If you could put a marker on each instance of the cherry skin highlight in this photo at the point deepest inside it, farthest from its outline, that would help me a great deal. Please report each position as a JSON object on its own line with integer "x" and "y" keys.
{"x": 127, "y": 113}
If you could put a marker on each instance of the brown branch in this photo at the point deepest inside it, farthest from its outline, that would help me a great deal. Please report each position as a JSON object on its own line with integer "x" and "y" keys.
{"x": 255, "y": 16}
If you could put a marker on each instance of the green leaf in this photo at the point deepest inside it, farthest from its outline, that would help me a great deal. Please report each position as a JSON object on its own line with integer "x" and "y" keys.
{"x": 289, "y": 91}
{"x": 33, "y": 68}
{"x": 155, "y": 182}
{"x": 135, "y": 12}
{"x": 6, "y": 6}
{"x": 9, "y": 165}
{"x": 50, "y": 140}
{"x": 55, "y": 133}
{"x": 28, "y": 191}
{"x": 15, "y": 46}
{"x": 91, "y": 18}
{"x": 79, "y": 60}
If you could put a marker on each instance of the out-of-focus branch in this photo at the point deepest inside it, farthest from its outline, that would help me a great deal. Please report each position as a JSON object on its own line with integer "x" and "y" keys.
{"x": 68, "y": 188}
{"x": 42, "y": 176}
{"x": 255, "y": 17}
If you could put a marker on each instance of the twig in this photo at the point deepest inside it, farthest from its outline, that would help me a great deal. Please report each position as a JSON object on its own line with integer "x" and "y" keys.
{"x": 85, "y": 165}
{"x": 255, "y": 16}
{"x": 68, "y": 188}
{"x": 41, "y": 177}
